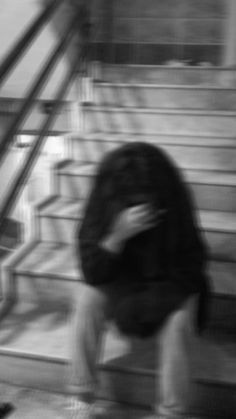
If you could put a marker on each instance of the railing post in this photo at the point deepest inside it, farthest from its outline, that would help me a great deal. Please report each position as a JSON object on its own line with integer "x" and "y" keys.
{"x": 229, "y": 54}
{"x": 75, "y": 118}
{"x": 36, "y": 87}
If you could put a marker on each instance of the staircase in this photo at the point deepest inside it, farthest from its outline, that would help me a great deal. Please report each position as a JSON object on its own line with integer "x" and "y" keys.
{"x": 190, "y": 112}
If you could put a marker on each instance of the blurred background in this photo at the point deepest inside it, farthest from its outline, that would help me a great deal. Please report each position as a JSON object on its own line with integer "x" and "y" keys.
{"x": 79, "y": 78}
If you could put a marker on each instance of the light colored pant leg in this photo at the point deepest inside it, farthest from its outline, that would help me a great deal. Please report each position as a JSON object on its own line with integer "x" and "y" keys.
{"x": 88, "y": 326}
{"x": 176, "y": 342}
{"x": 93, "y": 308}
{"x": 90, "y": 317}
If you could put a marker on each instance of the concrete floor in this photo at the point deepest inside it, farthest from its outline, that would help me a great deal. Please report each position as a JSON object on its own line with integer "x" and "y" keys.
{"x": 33, "y": 404}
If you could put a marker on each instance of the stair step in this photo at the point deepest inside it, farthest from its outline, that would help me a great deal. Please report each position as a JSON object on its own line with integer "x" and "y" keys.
{"x": 213, "y": 190}
{"x": 59, "y": 262}
{"x": 168, "y": 96}
{"x": 48, "y": 272}
{"x": 188, "y": 152}
{"x": 170, "y": 138}
{"x": 35, "y": 352}
{"x": 60, "y": 219}
{"x": 192, "y": 75}
{"x": 149, "y": 121}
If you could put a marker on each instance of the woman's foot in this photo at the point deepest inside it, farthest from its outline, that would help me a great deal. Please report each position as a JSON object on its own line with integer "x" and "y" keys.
{"x": 79, "y": 409}
{"x": 100, "y": 409}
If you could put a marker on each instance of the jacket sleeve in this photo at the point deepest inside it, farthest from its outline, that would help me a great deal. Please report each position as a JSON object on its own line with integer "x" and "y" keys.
{"x": 188, "y": 265}
{"x": 186, "y": 255}
{"x": 99, "y": 266}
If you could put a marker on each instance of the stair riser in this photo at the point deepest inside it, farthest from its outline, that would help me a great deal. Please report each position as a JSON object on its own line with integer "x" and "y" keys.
{"x": 223, "y": 276}
{"x": 58, "y": 293}
{"x": 150, "y": 122}
{"x": 133, "y": 390}
{"x": 186, "y": 157}
{"x": 175, "y": 98}
{"x": 221, "y": 245}
{"x": 63, "y": 231}
{"x": 128, "y": 388}
{"x": 58, "y": 229}
{"x": 74, "y": 186}
{"x": 169, "y": 75}
{"x": 222, "y": 316}
{"x": 212, "y": 197}
{"x": 33, "y": 373}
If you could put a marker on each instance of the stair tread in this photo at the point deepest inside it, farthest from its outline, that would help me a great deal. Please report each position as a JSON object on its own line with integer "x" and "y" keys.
{"x": 118, "y": 84}
{"x": 172, "y": 67}
{"x": 211, "y": 177}
{"x": 34, "y": 332}
{"x": 75, "y": 168}
{"x": 70, "y": 208}
{"x": 156, "y": 110}
{"x": 171, "y": 138}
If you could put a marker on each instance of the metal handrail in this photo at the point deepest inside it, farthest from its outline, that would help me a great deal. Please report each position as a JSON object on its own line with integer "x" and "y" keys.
{"x": 32, "y": 156}
{"x": 31, "y": 32}
{"x": 36, "y": 88}
{"x": 57, "y": 103}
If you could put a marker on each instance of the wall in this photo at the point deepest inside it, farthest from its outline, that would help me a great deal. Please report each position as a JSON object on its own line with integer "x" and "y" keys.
{"x": 156, "y": 31}
{"x": 15, "y": 16}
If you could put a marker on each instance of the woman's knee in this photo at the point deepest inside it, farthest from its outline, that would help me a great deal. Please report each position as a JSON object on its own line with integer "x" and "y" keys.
{"x": 90, "y": 299}
{"x": 180, "y": 323}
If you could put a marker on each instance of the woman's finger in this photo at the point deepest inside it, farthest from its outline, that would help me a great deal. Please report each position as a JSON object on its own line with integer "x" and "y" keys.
{"x": 139, "y": 208}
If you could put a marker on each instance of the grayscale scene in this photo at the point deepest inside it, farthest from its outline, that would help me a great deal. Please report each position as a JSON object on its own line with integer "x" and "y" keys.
{"x": 118, "y": 209}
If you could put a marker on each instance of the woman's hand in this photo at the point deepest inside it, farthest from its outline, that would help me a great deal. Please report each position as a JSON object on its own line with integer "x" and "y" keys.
{"x": 129, "y": 222}
{"x": 134, "y": 220}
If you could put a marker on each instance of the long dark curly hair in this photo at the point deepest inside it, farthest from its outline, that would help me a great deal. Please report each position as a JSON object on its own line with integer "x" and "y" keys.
{"x": 137, "y": 173}
{"x": 142, "y": 173}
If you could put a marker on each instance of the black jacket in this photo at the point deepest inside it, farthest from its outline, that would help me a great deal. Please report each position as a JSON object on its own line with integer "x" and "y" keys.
{"x": 167, "y": 261}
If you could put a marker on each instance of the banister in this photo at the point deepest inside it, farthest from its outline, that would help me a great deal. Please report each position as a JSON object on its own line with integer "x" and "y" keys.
{"x": 31, "y": 157}
{"x": 36, "y": 88}
{"x": 30, "y": 33}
